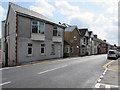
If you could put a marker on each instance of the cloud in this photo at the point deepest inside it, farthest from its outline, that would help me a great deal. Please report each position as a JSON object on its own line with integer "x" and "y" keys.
{"x": 106, "y": 28}
{"x": 2, "y": 13}
{"x": 43, "y": 7}
{"x": 103, "y": 24}
{"x": 66, "y": 8}
{"x": 74, "y": 14}
{"x": 2, "y": 17}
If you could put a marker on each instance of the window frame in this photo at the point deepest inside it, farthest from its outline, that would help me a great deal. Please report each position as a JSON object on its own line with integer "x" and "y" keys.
{"x": 52, "y": 50}
{"x": 41, "y": 50}
{"x": 68, "y": 49}
{"x": 59, "y": 33}
{"x": 28, "y": 49}
{"x": 71, "y": 49}
{"x": 38, "y": 27}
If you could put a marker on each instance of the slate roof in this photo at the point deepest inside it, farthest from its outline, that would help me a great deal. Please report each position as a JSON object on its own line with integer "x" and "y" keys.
{"x": 83, "y": 31}
{"x": 22, "y": 10}
{"x": 70, "y": 29}
{"x": 66, "y": 43}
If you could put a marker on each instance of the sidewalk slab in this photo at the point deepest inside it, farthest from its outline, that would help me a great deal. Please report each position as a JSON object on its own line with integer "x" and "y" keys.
{"x": 111, "y": 77}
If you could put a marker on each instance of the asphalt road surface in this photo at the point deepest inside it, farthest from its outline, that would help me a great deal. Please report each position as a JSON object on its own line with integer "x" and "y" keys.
{"x": 77, "y": 72}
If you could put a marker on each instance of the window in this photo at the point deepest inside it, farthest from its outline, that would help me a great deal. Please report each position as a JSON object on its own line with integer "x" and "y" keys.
{"x": 95, "y": 43}
{"x": 71, "y": 49}
{"x": 84, "y": 41}
{"x": 67, "y": 49}
{"x": 42, "y": 49}
{"x": 83, "y": 50}
{"x": 74, "y": 37}
{"x": 41, "y": 27}
{"x": 56, "y": 31}
{"x": 53, "y": 49}
{"x": 34, "y": 27}
{"x": 38, "y": 27}
{"x": 30, "y": 50}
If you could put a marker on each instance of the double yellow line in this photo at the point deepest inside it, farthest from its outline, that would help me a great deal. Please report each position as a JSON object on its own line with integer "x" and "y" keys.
{"x": 106, "y": 65}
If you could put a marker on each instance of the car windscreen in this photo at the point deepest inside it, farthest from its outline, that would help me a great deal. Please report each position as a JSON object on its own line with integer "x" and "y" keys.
{"x": 111, "y": 52}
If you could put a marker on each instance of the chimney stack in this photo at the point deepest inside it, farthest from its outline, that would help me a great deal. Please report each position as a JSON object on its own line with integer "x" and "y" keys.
{"x": 95, "y": 36}
{"x": 104, "y": 40}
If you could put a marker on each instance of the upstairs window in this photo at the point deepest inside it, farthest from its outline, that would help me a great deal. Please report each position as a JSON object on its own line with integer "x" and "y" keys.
{"x": 56, "y": 31}
{"x": 84, "y": 40}
{"x": 34, "y": 27}
{"x": 74, "y": 37}
{"x": 38, "y": 27}
{"x": 53, "y": 49}
{"x": 41, "y": 27}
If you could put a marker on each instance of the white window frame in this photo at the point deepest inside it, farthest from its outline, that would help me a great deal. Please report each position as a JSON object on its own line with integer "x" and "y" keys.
{"x": 28, "y": 49}
{"x": 58, "y": 31}
{"x": 40, "y": 49}
{"x": 38, "y": 24}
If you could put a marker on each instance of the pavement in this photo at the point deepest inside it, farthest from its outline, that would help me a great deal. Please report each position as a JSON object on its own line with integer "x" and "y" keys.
{"x": 77, "y": 72}
{"x": 111, "y": 75}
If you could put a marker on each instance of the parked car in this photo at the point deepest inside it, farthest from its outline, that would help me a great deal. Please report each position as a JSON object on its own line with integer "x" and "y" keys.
{"x": 112, "y": 54}
{"x": 118, "y": 53}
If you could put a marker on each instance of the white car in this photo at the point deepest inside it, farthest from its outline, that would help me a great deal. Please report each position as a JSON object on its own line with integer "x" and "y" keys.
{"x": 112, "y": 54}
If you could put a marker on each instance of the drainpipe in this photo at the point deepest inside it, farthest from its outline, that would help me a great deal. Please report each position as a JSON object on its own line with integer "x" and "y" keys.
{"x": 6, "y": 56}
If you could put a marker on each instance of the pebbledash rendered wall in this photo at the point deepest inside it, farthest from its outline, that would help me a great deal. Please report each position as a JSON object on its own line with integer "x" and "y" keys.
{"x": 11, "y": 38}
{"x": 24, "y": 37}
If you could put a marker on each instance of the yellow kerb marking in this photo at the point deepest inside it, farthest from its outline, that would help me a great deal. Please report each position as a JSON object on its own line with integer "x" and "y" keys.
{"x": 107, "y": 64}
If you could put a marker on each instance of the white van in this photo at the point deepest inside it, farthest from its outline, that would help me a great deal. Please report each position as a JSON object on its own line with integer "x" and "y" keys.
{"x": 112, "y": 54}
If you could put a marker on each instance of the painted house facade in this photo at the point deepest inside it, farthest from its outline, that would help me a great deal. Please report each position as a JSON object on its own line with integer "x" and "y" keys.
{"x": 72, "y": 36}
{"x": 29, "y": 36}
{"x": 84, "y": 42}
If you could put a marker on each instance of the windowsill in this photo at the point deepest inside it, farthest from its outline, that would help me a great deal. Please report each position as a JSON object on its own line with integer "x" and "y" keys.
{"x": 29, "y": 55}
{"x": 57, "y": 36}
{"x": 38, "y": 33}
{"x": 43, "y": 54}
{"x": 52, "y": 54}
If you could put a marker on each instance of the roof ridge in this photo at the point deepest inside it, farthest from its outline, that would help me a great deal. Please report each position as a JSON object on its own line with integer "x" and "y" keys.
{"x": 24, "y": 8}
{"x": 31, "y": 11}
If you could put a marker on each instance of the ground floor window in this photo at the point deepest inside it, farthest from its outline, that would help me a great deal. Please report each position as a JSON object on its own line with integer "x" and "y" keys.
{"x": 83, "y": 50}
{"x": 71, "y": 49}
{"x": 52, "y": 49}
{"x": 42, "y": 49}
{"x": 30, "y": 49}
{"x": 67, "y": 50}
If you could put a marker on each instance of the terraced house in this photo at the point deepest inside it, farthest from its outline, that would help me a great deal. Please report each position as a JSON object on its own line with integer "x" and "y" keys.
{"x": 72, "y": 41}
{"x": 29, "y": 36}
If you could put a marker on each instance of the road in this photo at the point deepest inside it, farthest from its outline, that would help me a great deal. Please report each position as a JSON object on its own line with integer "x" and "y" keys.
{"x": 77, "y": 72}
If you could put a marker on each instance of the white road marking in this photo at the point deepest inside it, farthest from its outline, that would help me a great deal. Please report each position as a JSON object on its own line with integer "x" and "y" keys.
{"x": 101, "y": 76}
{"x": 52, "y": 69}
{"x": 107, "y": 86}
{"x": 6, "y": 68}
{"x": 99, "y": 80}
{"x": 104, "y": 71}
{"x": 5, "y": 83}
{"x": 97, "y": 85}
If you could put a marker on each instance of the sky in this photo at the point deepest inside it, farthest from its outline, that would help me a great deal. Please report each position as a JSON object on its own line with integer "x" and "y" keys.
{"x": 99, "y": 16}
